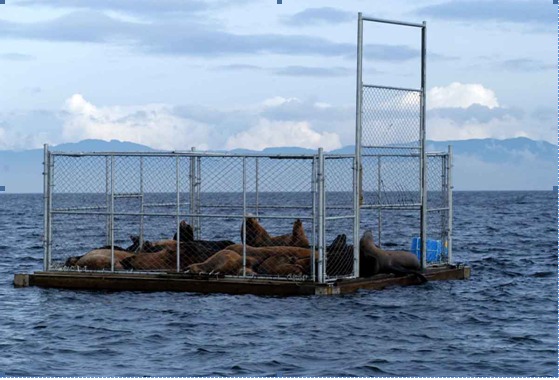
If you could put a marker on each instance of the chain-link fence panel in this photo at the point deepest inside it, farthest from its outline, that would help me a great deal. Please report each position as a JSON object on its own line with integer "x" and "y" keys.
{"x": 195, "y": 213}
{"x": 391, "y": 180}
{"x": 339, "y": 215}
{"x": 438, "y": 208}
{"x": 390, "y": 118}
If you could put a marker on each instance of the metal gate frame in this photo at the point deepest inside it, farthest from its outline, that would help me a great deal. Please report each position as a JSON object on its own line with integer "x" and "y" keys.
{"x": 358, "y": 196}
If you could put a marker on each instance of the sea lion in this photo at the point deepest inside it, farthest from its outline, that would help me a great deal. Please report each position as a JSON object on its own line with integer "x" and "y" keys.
{"x": 373, "y": 260}
{"x": 164, "y": 257}
{"x": 230, "y": 261}
{"x": 257, "y": 236}
{"x": 73, "y": 260}
{"x": 99, "y": 259}
{"x": 279, "y": 264}
{"x": 260, "y": 254}
{"x": 339, "y": 257}
{"x": 186, "y": 232}
{"x": 223, "y": 262}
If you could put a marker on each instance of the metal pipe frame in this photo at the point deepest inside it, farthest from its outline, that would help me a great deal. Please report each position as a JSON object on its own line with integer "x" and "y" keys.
{"x": 192, "y": 181}
{"x": 379, "y": 192}
{"x": 46, "y": 198}
{"x": 50, "y": 192}
{"x": 314, "y": 191}
{"x": 249, "y": 206}
{"x": 321, "y": 228}
{"x": 256, "y": 201}
{"x": 112, "y": 214}
{"x": 142, "y": 204}
{"x": 449, "y": 203}
{"x": 355, "y": 216}
{"x": 198, "y": 227}
{"x": 178, "y": 219}
{"x": 394, "y": 22}
{"x": 392, "y": 88}
{"x": 422, "y": 138}
{"x": 411, "y": 207}
{"x": 422, "y": 152}
{"x": 244, "y": 217}
{"x": 185, "y": 154}
{"x": 430, "y": 154}
{"x": 183, "y": 215}
{"x": 357, "y": 168}
{"x": 108, "y": 199}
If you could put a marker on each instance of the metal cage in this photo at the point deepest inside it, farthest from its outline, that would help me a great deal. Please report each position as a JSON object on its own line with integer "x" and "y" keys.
{"x": 100, "y": 199}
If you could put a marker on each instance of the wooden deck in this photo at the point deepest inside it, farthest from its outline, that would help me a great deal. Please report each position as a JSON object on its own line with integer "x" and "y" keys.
{"x": 175, "y": 282}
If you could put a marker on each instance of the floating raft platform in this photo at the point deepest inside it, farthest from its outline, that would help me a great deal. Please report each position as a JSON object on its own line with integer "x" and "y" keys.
{"x": 179, "y": 282}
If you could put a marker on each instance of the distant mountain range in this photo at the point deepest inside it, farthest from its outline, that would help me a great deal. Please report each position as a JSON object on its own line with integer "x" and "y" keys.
{"x": 483, "y": 164}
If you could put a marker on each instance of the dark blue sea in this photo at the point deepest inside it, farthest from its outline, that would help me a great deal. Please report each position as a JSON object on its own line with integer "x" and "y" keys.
{"x": 501, "y": 322}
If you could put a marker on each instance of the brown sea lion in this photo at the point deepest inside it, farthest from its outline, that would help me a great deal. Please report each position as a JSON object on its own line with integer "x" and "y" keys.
{"x": 257, "y": 236}
{"x": 73, "y": 260}
{"x": 164, "y": 257}
{"x": 280, "y": 265}
{"x": 259, "y": 254}
{"x": 223, "y": 262}
{"x": 99, "y": 259}
{"x": 339, "y": 257}
{"x": 373, "y": 260}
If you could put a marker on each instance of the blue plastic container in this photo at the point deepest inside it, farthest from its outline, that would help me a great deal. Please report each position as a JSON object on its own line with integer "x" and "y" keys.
{"x": 434, "y": 249}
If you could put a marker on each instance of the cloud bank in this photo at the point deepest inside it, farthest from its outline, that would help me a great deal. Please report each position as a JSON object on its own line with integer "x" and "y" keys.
{"x": 168, "y": 128}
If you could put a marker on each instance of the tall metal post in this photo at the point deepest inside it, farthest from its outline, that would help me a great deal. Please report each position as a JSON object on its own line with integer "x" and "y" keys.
{"x": 449, "y": 200}
{"x": 178, "y": 217}
{"x": 198, "y": 226}
{"x": 192, "y": 180}
{"x": 357, "y": 169}
{"x": 423, "y": 159}
{"x": 112, "y": 213}
{"x": 257, "y": 197}
{"x": 379, "y": 185}
{"x": 355, "y": 224}
{"x": 314, "y": 191}
{"x": 321, "y": 219}
{"x": 141, "y": 201}
{"x": 108, "y": 200}
{"x": 46, "y": 180}
{"x": 51, "y": 191}
{"x": 244, "y": 216}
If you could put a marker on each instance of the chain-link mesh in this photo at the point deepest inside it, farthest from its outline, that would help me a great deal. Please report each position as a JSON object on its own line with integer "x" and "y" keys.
{"x": 392, "y": 200}
{"x": 390, "y": 118}
{"x": 438, "y": 206}
{"x": 180, "y": 212}
{"x": 391, "y": 174}
{"x": 339, "y": 215}
{"x": 235, "y": 215}
{"x": 391, "y": 180}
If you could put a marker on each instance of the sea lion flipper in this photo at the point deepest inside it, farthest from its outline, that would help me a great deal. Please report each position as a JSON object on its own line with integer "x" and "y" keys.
{"x": 401, "y": 270}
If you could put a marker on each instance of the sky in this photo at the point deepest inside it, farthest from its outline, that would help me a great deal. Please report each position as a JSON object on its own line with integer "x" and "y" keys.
{"x": 224, "y": 74}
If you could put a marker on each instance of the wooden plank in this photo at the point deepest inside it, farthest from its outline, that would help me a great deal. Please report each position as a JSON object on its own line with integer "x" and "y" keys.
{"x": 177, "y": 282}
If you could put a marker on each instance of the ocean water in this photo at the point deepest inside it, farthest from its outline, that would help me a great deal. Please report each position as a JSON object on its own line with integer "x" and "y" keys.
{"x": 501, "y": 322}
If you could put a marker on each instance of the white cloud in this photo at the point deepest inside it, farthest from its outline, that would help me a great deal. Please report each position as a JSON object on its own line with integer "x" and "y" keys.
{"x": 153, "y": 125}
{"x": 283, "y": 133}
{"x": 278, "y": 101}
{"x": 458, "y": 95}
